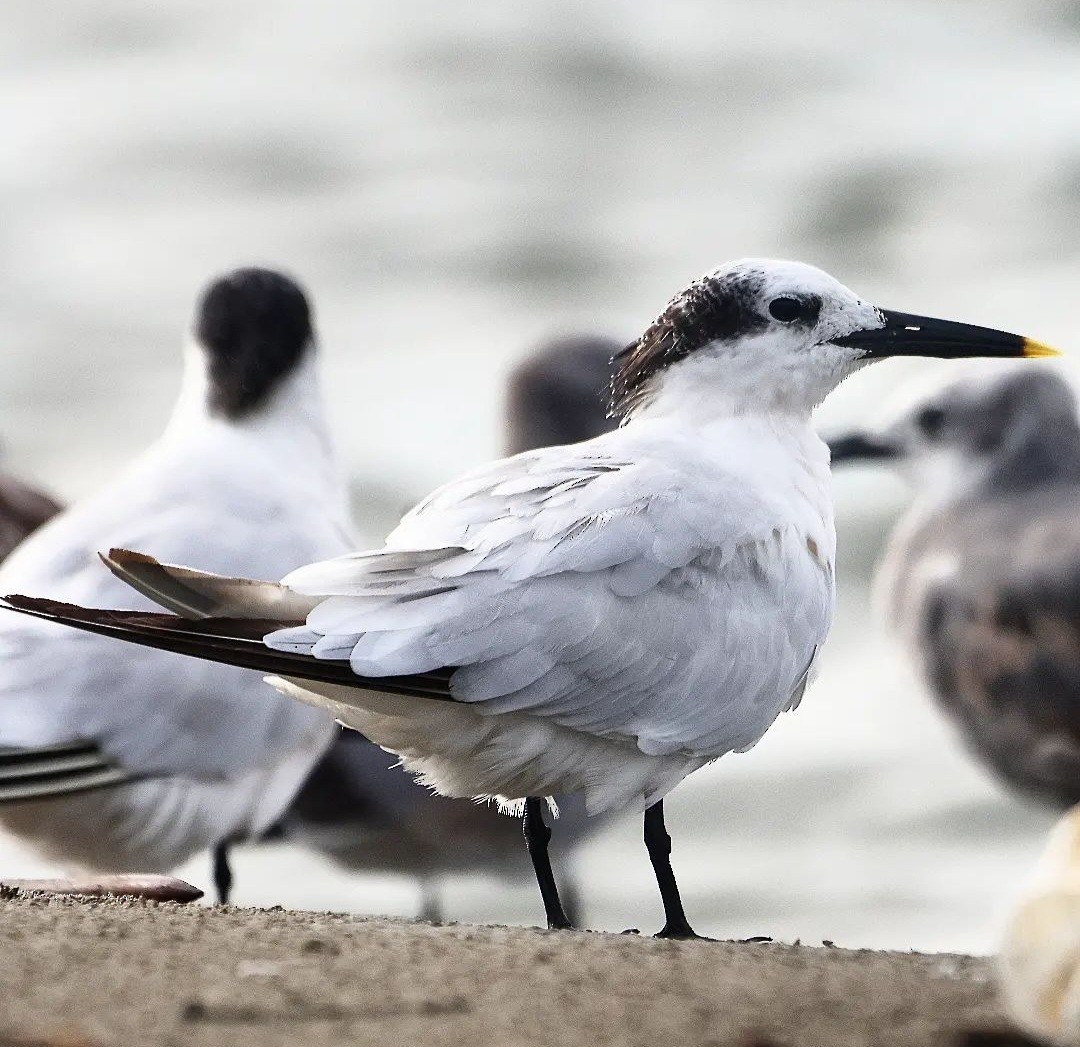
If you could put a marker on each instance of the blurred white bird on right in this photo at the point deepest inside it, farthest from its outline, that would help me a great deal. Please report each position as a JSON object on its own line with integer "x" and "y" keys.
{"x": 1040, "y": 958}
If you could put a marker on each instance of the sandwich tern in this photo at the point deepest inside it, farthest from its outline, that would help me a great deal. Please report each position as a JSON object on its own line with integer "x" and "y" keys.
{"x": 132, "y": 765}
{"x": 602, "y": 618}
{"x": 982, "y": 578}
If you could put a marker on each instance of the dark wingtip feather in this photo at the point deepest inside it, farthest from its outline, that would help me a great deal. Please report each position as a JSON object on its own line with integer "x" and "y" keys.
{"x": 230, "y": 641}
{"x": 118, "y": 555}
{"x": 36, "y": 604}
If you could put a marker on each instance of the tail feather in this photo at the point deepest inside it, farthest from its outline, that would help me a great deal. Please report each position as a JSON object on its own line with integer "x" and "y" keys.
{"x": 55, "y": 770}
{"x": 199, "y": 594}
{"x": 232, "y": 641}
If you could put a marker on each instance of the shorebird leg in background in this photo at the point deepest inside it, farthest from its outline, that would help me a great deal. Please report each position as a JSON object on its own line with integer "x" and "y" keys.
{"x": 659, "y": 846}
{"x": 223, "y": 877}
{"x": 431, "y": 908}
{"x": 570, "y": 896}
{"x": 537, "y": 835}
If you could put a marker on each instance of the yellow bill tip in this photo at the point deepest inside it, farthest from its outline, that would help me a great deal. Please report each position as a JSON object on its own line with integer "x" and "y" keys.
{"x": 1033, "y": 350}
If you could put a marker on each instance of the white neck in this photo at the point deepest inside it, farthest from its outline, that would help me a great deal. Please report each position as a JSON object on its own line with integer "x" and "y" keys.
{"x": 683, "y": 397}
{"x": 766, "y": 446}
{"x": 757, "y": 376}
{"x": 289, "y": 426}
{"x": 775, "y": 455}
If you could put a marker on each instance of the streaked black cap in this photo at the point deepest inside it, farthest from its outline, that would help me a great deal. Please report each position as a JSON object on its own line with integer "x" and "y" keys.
{"x": 255, "y": 325}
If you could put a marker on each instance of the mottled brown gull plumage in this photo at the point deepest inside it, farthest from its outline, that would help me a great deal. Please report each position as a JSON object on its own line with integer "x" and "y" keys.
{"x": 982, "y": 579}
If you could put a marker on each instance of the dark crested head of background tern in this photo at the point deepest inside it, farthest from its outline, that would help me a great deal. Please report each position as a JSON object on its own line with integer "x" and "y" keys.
{"x": 255, "y": 327}
{"x": 561, "y": 393}
{"x": 773, "y": 335}
{"x": 1009, "y": 431}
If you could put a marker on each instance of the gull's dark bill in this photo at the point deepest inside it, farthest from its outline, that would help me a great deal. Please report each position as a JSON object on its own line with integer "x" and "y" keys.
{"x": 859, "y": 447}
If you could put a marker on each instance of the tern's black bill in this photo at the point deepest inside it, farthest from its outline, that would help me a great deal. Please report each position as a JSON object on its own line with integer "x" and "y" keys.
{"x": 906, "y": 334}
{"x": 858, "y": 447}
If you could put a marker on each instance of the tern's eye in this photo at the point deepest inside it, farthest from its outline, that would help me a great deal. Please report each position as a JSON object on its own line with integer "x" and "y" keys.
{"x": 786, "y": 310}
{"x": 930, "y": 421}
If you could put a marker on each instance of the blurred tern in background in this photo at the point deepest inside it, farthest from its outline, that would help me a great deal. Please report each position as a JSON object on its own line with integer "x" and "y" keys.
{"x": 603, "y": 618}
{"x": 134, "y": 764}
{"x": 982, "y": 578}
{"x": 368, "y": 817}
{"x": 23, "y": 510}
{"x": 561, "y": 394}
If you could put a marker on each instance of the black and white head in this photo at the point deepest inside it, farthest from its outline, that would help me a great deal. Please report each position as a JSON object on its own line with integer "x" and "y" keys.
{"x": 560, "y": 394}
{"x": 254, "y": 327}
{"x": 761, "y": 335}
{"x": 1010, "y": 431}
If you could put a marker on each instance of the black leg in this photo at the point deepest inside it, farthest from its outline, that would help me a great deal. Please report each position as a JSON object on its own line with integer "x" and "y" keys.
{"x": 223, "y": 878}
{"x": 537, "y": 835}
{"x": 659, "y": 846}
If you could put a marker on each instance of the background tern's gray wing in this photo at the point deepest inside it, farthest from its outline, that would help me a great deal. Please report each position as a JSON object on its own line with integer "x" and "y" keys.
{"x": 192, "y": 718}
{"x": 566, "y": 582}
{"x": 992, "y": 607}
{"x": 55, "y": 770}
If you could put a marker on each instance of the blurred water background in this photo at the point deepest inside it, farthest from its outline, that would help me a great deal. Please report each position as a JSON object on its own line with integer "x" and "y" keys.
{"x": 454, "y": 182}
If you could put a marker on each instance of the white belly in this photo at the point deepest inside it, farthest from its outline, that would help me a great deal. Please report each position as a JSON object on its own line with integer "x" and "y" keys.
{"x": 460, "y": 751}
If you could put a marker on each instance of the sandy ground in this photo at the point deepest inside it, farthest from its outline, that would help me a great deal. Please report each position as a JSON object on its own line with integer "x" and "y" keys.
{"x": 116, "y": 972}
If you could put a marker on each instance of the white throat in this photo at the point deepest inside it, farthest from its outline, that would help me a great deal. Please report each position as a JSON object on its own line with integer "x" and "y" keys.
{"x": 718, "y": 382}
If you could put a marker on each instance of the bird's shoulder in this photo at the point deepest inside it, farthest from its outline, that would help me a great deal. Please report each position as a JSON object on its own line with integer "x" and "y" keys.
{"x": 180, "y": 506}
{"x": 602, "y": 504}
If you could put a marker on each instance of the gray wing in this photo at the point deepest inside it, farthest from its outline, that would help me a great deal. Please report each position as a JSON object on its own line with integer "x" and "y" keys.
{"x": 148, "y": 711}
{"x": 568, "y": 584}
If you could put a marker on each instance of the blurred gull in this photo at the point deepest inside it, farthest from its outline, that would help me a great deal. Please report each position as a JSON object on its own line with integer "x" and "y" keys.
{"x": 982, "y": 578}
{"x": 561, "y": 393}
{"x": 178, "y": 755}
{"x": 23, "y": 509}
{"x": 602, "y": 618}
{"x": 366, "y": 817}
